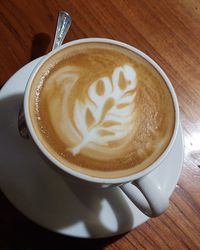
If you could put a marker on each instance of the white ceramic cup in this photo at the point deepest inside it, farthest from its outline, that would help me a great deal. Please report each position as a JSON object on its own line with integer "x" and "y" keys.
{"x": 142, "y": 188}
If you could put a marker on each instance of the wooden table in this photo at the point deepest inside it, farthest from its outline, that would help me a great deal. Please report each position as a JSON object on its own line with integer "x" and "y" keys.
{"x": 169, "y": 32}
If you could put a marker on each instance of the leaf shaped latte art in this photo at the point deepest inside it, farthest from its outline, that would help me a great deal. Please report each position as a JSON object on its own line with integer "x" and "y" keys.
{"x": 107, "y": 114}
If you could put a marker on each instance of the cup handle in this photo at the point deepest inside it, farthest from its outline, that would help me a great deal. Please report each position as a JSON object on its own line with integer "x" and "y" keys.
{"x": 147, "y": 194}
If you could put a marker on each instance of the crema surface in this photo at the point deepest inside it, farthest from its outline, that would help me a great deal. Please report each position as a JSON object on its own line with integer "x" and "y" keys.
{"x": 102, "y": 110}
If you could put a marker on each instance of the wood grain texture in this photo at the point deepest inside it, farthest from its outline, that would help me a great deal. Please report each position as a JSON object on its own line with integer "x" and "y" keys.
{"x": 168, "y": 31}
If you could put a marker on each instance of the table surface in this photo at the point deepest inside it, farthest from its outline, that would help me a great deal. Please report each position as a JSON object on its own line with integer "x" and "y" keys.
{"x": 169, "y": 32}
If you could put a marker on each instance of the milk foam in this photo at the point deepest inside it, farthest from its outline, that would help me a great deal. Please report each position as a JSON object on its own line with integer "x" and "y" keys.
{"x": 99, "y": 117}
{"x": 102, "y": 110}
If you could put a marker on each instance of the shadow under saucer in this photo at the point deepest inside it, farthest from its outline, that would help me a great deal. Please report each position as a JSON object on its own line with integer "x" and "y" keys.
{"x": 45, "y": 197}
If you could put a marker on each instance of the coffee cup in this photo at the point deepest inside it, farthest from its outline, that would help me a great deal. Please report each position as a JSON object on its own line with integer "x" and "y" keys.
{"x": 104, "y": 114}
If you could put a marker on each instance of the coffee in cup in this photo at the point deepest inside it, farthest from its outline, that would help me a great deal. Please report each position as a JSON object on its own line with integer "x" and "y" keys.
{"x": 101, "y": 109}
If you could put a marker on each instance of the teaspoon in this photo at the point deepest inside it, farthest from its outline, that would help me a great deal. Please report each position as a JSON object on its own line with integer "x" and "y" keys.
{"x": 63, "y": 24}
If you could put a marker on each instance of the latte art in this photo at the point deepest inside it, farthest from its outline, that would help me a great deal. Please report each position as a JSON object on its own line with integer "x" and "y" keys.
{"x": 104, "y": 116}
{"x": 102, "y": 110}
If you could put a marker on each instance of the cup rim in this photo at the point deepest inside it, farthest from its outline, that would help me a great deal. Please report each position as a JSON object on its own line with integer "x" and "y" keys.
{"x": 70, "y": 171}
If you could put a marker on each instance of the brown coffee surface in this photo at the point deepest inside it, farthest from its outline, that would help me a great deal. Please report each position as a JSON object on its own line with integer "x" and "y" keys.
{"x": 101, "y": 109}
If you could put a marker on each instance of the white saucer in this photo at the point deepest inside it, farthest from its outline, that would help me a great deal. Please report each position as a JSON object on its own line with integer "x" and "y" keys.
{"x": 46, "y": 198}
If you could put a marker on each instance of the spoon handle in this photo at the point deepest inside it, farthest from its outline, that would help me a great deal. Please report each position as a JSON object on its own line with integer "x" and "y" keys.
{"x": 63, "y": 25}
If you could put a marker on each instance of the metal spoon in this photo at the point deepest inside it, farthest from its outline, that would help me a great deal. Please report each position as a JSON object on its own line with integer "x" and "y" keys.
{"x": 62, "y": 27}
{"x": 63, "y": 24}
